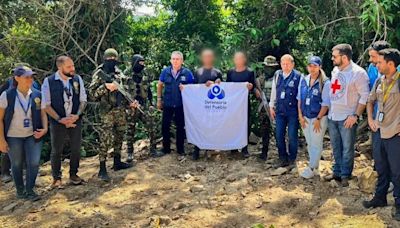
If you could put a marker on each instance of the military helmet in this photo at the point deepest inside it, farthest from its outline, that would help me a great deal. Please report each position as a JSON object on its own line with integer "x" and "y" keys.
{"x": 110, "y": 52}
{"x": 270, "y": 61}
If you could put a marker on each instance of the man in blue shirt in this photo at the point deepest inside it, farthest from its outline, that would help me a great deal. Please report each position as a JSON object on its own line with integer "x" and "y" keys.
{"x": 169, "y": 99}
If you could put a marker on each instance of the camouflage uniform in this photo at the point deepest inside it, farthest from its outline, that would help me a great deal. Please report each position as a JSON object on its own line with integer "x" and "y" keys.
{"x": 265, "y": 124}
{"x": 139, "y": 86}
{"x": 264, "y": 81}
{"x": 113, "y": 115}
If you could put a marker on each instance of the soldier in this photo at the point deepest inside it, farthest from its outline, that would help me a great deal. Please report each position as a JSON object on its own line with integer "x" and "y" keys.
{"x": 263, "y": 109}
{"x": 112, "y": 110}
{"x": 139, "y": 86}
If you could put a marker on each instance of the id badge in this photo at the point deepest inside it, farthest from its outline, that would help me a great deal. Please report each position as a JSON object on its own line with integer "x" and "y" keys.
{"x": 183, "y": 78}
{"x": 283, "y": 95}
{"x": 27, "y": 123}
{"x": 381, "y": 116}
{"x": 308, "y": 100}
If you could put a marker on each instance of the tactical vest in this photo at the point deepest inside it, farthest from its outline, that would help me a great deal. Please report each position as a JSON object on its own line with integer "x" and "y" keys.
{"x": 35, "y": 98}
{"x": 138, "y": 90}
{"x": 314, "y": 94}
{"x": 172, "y": 95}
{"x": 57, "y": 96}
{"x": 287, "y": 105}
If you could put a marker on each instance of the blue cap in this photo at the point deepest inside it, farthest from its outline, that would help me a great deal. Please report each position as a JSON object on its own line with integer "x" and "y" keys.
{"x": 23, "y": 71}
{"x": 315, "y": 60}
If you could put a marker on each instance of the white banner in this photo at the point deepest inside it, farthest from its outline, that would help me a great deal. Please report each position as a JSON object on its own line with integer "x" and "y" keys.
{"x": 216, "y": 116}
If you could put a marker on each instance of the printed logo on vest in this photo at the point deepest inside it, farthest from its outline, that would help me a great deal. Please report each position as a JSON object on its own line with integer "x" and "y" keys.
{"x": 76, "y": 87}
{"x": 338, "y": 87}
{"x": 216, "y": 92}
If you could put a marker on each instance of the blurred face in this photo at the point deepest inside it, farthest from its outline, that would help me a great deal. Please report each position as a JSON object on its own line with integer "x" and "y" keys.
{"x": 287, "y": 65}
{"x": 207, "y": 58}
{"x": 373, "y": 56}
{"x": 383, "y": 66}
{"x": 240, "y": 60}
{"x": 24, "y": 81}
{"x": 313, "y": 69}
{"x": 67, "y": 68}
{"x": 176, "y": 61}
{"x": 141, "y": 63}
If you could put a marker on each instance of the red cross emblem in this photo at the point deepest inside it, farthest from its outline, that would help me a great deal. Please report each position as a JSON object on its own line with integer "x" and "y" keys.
{"x": 335, "y": 86}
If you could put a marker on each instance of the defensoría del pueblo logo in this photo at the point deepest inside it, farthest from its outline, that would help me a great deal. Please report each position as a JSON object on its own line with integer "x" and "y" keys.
{"x": 216, "y": 92}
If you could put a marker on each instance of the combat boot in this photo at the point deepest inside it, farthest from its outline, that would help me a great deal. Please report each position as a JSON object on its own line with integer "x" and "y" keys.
{"x": 103, "y": 175}
{"x": 196, "y": 153}
{"x": 245, "y": 153}
{"x": 118, "y": 164}
{"x": 156, "y": 153}
{"x": 264, "y": 154}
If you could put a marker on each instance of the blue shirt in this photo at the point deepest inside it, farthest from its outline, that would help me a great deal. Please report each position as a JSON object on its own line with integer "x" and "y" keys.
{"x": 168, "y": 71}
{"x": 172, "y": 95}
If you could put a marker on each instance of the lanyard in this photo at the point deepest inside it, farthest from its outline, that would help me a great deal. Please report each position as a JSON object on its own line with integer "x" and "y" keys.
{"x": 387, "y": 91}
{"x": 22, "y": 106}
{"x": 67, "y": 89}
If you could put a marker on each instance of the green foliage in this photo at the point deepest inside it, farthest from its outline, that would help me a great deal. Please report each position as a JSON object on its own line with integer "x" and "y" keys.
{"x": 36, "y": 31}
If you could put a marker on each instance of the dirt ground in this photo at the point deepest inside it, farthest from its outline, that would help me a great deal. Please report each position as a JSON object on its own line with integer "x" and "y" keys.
{"x": 220, "y": 190}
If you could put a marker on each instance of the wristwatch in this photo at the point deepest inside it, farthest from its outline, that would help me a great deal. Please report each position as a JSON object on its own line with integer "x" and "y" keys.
{"x": 318, "y": 118}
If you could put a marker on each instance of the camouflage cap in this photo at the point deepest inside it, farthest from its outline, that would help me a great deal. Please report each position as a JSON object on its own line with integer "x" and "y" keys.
{"x": 110, "y": 52}
{"x": 270, "y": 61}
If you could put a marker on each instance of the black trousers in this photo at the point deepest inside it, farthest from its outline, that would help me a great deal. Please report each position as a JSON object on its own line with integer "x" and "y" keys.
{"x": 387, "y": 164}
{"x": 58, "y": 133}
{"x": 175, "y": 114}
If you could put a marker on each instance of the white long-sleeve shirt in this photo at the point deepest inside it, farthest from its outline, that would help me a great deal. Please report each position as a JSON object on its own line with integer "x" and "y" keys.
{"x": 349, "y": 88}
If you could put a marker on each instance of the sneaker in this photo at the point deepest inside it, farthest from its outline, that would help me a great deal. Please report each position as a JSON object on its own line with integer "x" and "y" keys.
{"x": 130, "y": 158}
{"x": 396, "y": 215}
{"x": 245, "y": 153}
{"x": 291, "y": 165}
{"x": 374, "y": 202}
{"x": 32, "y": 196}
{"x": 391, "y": 188}
{"x": 57, "y": 184}
{"x": 156, "y": 153}
{"x": 332, "y": 177}
{"x": 21, "y": 194}
{"x": 282, "y": 163}
{"x": 75, "y": 179}
{"x": 345, "y": 182}
{"x": 6, "y": 178}
{"x": 307, "y": 173}
{"x": 196, "y": 154}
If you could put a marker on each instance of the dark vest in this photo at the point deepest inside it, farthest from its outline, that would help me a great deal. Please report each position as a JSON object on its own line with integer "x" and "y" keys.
{"x": 57, "y": 95}
{"x": 35, "y": 109}
{"x": 313, "y": 93}
{"x": 287, "y": 105}
{"x": 172, "y": 95}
